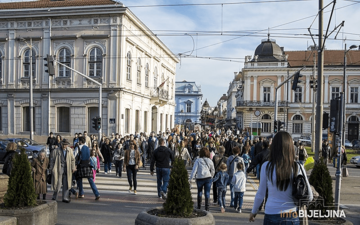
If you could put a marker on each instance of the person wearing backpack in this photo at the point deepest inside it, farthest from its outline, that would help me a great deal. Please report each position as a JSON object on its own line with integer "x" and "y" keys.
{"x": 221, "y": 178}
{"x": 277, "y": 175}
{"x": 217, "y": 160}
{"x": 231, "y": 163}
{"x": 203, "y": 170}
{"x": 9, "y": 155}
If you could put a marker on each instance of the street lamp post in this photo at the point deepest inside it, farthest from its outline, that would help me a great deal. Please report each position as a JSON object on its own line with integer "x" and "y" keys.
{"x": 344, "y": 102}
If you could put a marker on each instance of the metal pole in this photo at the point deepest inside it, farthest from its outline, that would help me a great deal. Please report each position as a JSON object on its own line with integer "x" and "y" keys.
{"x": 287, "y": 102}
{"x": 276, "y": 103}
{"x": 344, "y": 103}
{"x": 100, "y": 110}
{"x": 338, "y": 169}
{"x": 31, "y": 94}
{"x": 313, "y": 110}
{"x": 49, "y": 86}
{"x": 320, "y": 91}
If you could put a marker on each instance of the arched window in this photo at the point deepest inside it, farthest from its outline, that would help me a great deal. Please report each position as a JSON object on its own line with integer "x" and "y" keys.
{"x": 353, "y": 119}
{"x": 26, "y": 63}
{"x": 297, "y": 124}
{"x": 128, "y": 66}
{"x": 155, "y": 77}
{"x": 147, "y": 75}
{"x": 138, "y": 75}
{"x": 65, "y": 58}
{"x": 95, "y": 62}
{"x": 266, "y": 123}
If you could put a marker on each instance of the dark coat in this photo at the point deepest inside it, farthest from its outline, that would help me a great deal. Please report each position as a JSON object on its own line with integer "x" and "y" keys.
{"x": 107, "y": 153}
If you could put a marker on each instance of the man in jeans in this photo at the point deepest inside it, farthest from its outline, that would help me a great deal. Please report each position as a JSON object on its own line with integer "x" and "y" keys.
{"x": 162, "y": 156}
{"x": 84, "y": 158}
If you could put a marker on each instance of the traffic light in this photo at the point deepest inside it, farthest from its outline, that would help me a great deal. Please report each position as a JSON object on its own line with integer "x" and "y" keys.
{"x": 296, "y": 81}
{"x": 280, "y": 125}
{"x": 325, "y": 120}
{"x": 335, "y": 115}
{"x": 98, "y": 123}
{"x": 313, "y": 84}
{"x": 94, "y": 123}
{"x": 275, "y": 126}
{"x": 50, "y": 65}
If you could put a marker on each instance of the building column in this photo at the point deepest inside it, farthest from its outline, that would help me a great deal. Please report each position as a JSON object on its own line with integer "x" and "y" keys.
{"x": 278, "y": 83}
{"x": 247, "y": 85}
{"x": 307, "y": 86}
{"x": 326, "y": 89}
{"x": 12, "y": 63}
{"x": 255, "y": 89}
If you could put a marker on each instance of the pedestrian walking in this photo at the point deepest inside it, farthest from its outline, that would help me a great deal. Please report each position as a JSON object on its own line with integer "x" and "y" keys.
{"x": 231, "y": 163}
{"x": 183, "y": 153}
{"x": 218, "y": 160}
{"x": 132, "y": 163}
{"x": 93, "y": 162}
{"x": 51, "y": 142}
{"x": 62, "y": 166}
{"x": 98, "y": 155}
{"x": 276, "y": 177}
{"x": 39, "y": 166}
{"x": 239, "y": 183}
{"x": 162, "y": 157}
{"x": 119, "y": 155}
{"x": 203, "y": 170}
{"x": 106, "y": 151}
{"x": 85, "y": 169}
{"x": 221, "y": 178}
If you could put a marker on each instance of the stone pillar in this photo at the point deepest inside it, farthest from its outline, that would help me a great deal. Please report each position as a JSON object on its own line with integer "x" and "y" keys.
{"x": 255, "y": 89}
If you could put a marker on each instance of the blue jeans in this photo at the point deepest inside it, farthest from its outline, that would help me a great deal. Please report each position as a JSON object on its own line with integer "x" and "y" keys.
{"x": 258, "y": 171}
{"x": 231, "y": 192}
{"x": 119, "y": 167}
{"x": 206, "y": 184}
{"x": 238, "y": 199}
{"x": 301, "y": 162}
{"x": 163, "y": 177}
{"x": 92, "y": 185}
{"x": 107, "y": 166}
{"x": 221, "y": 196}
{"x": 278, "y": 219}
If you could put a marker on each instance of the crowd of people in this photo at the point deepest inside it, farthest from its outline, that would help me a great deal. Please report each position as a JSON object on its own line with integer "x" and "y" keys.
{"x": 219, "y": 158}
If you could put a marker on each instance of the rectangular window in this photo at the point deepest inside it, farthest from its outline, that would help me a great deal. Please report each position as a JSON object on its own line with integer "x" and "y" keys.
{"x": 63, "y": 119}
{"x": 127, "y": 121}
{"x": 267, "y": 92}
{"x": 171, "y": 121}
{"x": 188, "y": 107}
{"x": 335, "y": 92}
{"x": 145, "y": 121}
{"x": 297, "y": 128}
{"x": 161, "y": 121}
{"x": 266, "y": 128}
{"x": 26, "y": 119}
{"x": 354, "y": 95}
{"x": 137, "y": 120}
{"x": 298, "y": 95}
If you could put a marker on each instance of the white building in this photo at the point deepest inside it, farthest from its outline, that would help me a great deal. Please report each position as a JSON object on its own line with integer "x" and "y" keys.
{"x": 231, "y": 119}
{"x": 100, "y": 38}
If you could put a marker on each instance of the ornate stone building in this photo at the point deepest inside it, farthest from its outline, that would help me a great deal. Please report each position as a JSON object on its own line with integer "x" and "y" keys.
{"x": 271, "y": 65}
{"x": 100, "y": 38}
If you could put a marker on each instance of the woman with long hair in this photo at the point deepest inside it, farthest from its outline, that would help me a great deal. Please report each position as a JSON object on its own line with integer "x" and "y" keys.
{"x": 58, "y": 140}
{"x": 276, "y": 177}
{"x": 98, "y": 155}
{"x": 131, "y": 164}
{"x": 184, "y": 153}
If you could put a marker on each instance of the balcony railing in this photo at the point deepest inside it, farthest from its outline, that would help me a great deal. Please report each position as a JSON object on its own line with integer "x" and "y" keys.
{"x": 160, "y": 93}
{"x": 261, "y": 103}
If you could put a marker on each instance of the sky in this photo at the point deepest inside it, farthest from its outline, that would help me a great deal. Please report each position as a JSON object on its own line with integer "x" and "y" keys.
{"x": 212, "y": 37}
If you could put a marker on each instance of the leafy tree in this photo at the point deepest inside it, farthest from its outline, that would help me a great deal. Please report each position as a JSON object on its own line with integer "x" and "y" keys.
{"x": 179, "y": 201}
{"x": 320, "y": 178}
{"x": 21, "y": 190}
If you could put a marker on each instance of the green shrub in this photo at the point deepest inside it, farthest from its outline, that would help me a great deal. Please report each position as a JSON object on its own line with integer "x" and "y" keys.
{"x": 179, "y": 201}
{"x": 320, "y": 178}
{"x": 21, "y": 191}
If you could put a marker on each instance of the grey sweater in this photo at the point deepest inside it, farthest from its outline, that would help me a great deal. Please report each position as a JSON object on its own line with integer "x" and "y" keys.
{"x": 203, "y": 168}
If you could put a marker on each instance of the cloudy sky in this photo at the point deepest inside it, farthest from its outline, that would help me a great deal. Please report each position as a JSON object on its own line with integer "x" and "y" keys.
{"x": 214, "y": 36}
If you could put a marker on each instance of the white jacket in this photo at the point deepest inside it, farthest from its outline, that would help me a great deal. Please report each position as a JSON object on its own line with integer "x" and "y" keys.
{"x": 203, "y": 168}
{"x": 239, "y": 181}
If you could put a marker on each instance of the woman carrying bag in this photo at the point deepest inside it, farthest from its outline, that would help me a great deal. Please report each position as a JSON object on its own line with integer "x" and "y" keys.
{"x": 132, "y": 163}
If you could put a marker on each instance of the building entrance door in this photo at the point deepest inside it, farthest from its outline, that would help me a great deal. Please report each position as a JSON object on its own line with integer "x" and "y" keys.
{"x": 154, "y": 113}
{"x": 353, "y": 131}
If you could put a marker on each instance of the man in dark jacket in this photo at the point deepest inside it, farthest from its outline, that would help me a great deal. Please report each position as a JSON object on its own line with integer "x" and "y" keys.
{"x": 51, "y": 141}
{"x": 162, "y": 156}
{"x": 259, "y": 146}
{"x": 260, "y": 158}
{"x": 229, "y": 146}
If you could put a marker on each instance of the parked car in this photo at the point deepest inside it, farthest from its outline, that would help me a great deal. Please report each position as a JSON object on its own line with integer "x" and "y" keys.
{"x": 4, "y": 143}
{"x": 356, "y": 144}
{"x": 306, "y": 140}
{"x": 30, "y": 145}
{"x": 348, "y": 144}
{"x": 355, "y": 160}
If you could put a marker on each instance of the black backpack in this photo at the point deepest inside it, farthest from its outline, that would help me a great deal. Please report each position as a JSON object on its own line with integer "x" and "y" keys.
{"x": 300, "y": 189}
{"x": 8, "y": 165}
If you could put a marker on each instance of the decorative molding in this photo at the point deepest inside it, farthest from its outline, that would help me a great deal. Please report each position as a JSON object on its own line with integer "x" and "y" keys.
{"x": 354, "y": 81}
{"x": 92, "y": 43}
{"x": 94, "y": 101}
{"x": 62, "y": 101}
{"x": 335, "y": 81}
{"x": 3, "y": 103}
{"x": 60, "y": 44}
{"x": 26, "y": 101}
{"x": 266, "y": 80}
{"x": 104, "y": 20}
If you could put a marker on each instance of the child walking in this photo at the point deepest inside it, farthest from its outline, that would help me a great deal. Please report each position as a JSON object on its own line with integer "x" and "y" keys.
{"x": 221, "y": 179}
{"x": 93, "y": 163}
{"x": 239, "y": 182}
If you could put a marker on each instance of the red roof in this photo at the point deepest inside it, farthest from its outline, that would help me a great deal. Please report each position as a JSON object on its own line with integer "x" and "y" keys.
{"x": 331, "y": 58}
{"x": 49, "y": 4}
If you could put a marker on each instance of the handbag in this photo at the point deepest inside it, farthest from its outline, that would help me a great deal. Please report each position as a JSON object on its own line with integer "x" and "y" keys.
{"x": 48, "y": 178}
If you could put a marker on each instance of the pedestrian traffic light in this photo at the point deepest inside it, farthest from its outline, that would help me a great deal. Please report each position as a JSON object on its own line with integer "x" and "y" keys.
{"x": 50, "y": 65}
{"x": 275, "y": 126}
{"x": 98, "y": 123}
{"x": 95, "y": 123}
{"x": 296, "y": 81}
